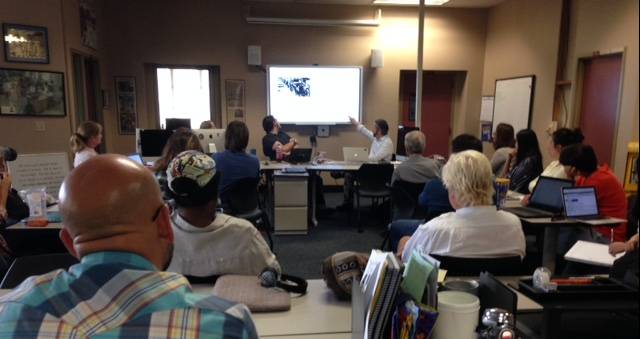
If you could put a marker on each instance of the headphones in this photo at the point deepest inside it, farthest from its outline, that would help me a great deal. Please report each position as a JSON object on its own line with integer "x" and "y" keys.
{"x": 269, "y": 278}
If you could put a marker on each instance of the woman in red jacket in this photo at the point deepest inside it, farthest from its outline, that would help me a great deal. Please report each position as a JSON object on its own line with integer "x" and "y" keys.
{"x": 581, "y": 164}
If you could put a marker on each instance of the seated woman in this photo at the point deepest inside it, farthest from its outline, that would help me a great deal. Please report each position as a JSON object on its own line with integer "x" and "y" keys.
{"x": 503, "y": 142}
{"x": 526, "y": 164}
{"x": 181, "y": 140}
{"x": 580, "y": 163}
{"x": 235, "y": 163}
{"x": 476, "y": 229}
{"x": 84, "y": 142}
{"x": 208, "y": 243}
{"x": 560, "y": 139}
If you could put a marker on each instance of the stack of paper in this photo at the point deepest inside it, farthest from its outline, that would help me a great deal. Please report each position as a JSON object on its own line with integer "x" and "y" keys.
{"x": 591, "y": 253}
{"x": 380, "y": 282}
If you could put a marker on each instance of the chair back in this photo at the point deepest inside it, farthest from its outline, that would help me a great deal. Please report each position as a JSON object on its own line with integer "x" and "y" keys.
{"x": 241, "y": 196}
{"x": 459, "y": 267}
{"x": 405, "y": 199}
{"x": 374, "y": 177}
{"x": 24, "y": 267}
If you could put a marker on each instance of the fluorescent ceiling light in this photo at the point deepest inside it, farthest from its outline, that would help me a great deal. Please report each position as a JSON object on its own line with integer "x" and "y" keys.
{"x": 410, "y": 2}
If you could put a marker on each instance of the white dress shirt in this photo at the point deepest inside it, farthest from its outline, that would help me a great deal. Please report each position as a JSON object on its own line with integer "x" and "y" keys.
{"x": 470, "y": 232}
{"x": 554, "y": 170}
{"x": 381, "y": 149}
{"x": 227, "y": 246}
{"x": 84, "y": 155}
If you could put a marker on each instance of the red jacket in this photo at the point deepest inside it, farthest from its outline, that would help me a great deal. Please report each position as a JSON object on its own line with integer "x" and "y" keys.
{"x": 611, "y": 200}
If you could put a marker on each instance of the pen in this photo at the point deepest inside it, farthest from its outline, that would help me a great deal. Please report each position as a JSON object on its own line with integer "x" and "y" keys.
{"x": 611, "y": 234}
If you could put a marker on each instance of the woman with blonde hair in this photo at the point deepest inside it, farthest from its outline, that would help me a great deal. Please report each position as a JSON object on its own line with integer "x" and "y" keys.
{"x": 84, "y": 141}
{"x": 476, "y": 229}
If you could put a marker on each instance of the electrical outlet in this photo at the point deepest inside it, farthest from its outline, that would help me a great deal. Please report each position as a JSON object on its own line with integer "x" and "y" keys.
{"x": 40, "y": 126}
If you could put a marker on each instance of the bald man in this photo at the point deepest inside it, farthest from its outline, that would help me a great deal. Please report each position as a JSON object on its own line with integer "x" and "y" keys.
{"x": 116, "y": 222}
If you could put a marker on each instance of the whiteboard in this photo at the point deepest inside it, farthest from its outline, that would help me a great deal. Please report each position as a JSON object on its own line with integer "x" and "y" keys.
{"x": 513, "y": 101}
{"x": 39, "y": 170}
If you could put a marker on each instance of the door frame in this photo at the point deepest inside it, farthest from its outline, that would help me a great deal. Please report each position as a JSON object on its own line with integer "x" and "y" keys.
{"x": 98, "y": 95}
{"x": 577, "y": 94}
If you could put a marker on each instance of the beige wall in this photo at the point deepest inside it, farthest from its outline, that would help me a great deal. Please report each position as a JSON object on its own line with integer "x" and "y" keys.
{"x": 62, "y": 20}
{"x": 522, "y": 39}
{"x": 602, "y": 26}
{"x": 215, "y": 32}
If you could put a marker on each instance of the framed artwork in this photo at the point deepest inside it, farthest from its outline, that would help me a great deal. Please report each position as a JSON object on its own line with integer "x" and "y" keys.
{"x": 235, "y": 98}
{"x": 31, "y": 93}
{"x": 631, "y": 172}
{"x": 27, "y": 44}
{"x": 88, "y": 27}
{"x": 126, "y": 104}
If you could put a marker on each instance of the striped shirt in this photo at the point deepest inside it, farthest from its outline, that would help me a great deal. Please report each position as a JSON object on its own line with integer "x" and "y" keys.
{"x": 117, "y": 295}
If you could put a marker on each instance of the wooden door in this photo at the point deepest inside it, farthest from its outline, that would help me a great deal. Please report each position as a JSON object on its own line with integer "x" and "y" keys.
{"x": 599, "y": 103}
{"x": 437, "y": 96}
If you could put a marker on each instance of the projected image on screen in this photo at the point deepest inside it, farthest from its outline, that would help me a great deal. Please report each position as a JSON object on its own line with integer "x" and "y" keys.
{"x": 314, "y": 95}
{"x": 299, "y": 86}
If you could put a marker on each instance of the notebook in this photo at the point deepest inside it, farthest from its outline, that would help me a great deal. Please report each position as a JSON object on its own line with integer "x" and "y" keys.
{"x": 591, "y": 253}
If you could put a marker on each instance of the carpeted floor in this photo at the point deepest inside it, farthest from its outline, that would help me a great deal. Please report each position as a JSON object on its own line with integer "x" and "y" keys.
{"x": 301, "y": 255}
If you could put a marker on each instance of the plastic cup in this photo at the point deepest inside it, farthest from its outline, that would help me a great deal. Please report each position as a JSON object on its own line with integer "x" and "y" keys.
{"x": 458, "y": 315}
{"x": 502, "y": 188}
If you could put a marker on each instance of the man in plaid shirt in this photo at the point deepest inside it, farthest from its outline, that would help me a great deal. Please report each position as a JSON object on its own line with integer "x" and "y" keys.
{"x": 116, "y": 222}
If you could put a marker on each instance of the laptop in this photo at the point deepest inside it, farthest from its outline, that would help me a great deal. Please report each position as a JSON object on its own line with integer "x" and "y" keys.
{"x": 300, "y": 155}
{"x": 545, "y": 200}
{"x": 581, "y": 203}
{"x": 137, "y": 158}
{"x": 355, "y": 154}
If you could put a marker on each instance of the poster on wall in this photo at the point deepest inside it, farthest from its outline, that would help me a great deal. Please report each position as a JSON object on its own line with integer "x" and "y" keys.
{"x": 25, "y": 92}
{"x": 28, "y": 44}
{"x": 88, "y": 27}
{"x": 235, "y": 99}
{"x": 126, "y": 105}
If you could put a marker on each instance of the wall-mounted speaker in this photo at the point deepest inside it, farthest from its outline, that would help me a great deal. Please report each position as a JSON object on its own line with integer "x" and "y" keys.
{"x": 377, "y": 58}
{"x": 254, "y": 55}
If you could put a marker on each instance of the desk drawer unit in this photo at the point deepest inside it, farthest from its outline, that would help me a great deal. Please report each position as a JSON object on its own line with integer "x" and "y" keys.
{"x": 290, "y": 191}
{"x": 291, "y": 220}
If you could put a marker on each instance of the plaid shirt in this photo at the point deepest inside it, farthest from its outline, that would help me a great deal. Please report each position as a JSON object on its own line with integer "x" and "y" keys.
{"x": 117, "y": 295}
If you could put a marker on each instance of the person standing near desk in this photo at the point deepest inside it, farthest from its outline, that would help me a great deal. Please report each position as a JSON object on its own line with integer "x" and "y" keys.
{"x": 276, "y": 144}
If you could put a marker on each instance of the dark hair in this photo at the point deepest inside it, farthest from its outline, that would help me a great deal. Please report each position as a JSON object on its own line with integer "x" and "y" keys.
{"x": 564, "y": 137}
{"x": 504, "y": 136}
{"x": 465, "y": 142}
{"x": 528, "y": 146}
{"x": 181, "y": 140}
{"x": 268, "y": 122}
{"x": 187, "y": 193}
{"x": 236, "y": 137}
{"x": 382, "y": 125}
{"x": 580, "y": 156}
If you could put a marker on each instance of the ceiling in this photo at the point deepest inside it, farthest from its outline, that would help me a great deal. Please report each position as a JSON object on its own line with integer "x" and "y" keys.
{"x": 451, "y": 3}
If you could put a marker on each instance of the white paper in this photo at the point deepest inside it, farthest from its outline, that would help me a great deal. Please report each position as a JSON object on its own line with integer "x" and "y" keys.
{"x": 591, "y": 253}
{"x": 486, "y": 110}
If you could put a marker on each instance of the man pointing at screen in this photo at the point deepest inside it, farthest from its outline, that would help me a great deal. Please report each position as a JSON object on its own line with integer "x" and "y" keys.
{"x": 381, "y": 145}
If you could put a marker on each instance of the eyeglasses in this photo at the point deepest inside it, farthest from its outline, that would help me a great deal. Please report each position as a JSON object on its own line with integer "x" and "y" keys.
{"x": 156, "y": 214}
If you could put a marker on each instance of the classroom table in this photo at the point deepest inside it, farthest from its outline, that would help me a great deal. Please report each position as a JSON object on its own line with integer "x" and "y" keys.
{"x": 551, "y": 229}
{"x": 319, "y": 314}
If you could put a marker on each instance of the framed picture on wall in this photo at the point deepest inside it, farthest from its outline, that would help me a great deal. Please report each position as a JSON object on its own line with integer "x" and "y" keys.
{"x": 631, "y": 171}
{"x": 27, "y": 44}
{"x": 126, "y": 104}
{"x": 234, "y": 92}
{"x": 31, "y": 93}
{"x": 88, "y": 26}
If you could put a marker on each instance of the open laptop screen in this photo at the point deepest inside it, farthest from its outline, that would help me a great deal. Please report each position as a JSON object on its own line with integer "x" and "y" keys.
{"x": 580, "y": 201}
{"x": 548, "y": 193}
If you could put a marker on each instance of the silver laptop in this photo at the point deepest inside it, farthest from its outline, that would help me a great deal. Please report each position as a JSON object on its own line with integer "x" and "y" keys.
{"x": 355, "y": 154}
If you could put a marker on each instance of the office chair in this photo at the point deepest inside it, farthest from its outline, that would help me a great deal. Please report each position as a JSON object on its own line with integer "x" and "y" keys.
{"x": 468, "y": 267}
{"x": 372, "y": 181}
{"x": 241, "y": 200}
{"x": 24, "y": 267}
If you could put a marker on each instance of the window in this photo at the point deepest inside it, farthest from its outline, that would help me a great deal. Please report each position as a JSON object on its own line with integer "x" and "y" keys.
{"x": 184, "y": 93}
